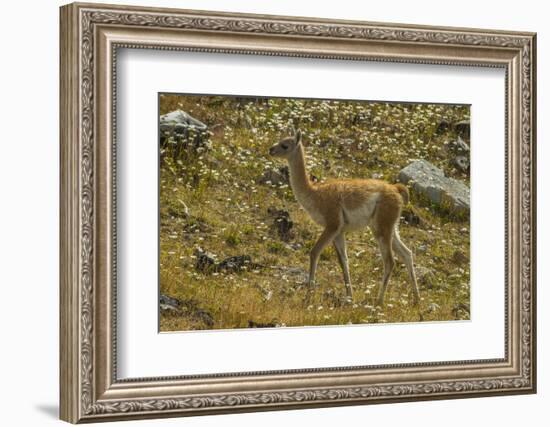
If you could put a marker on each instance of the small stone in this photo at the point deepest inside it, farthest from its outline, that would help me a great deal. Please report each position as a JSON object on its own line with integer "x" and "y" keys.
{"x": 169, "y": 305}
{"x": 459, "y": 146}
{"x": 297, "y": 274}
{"x": 168, "y": 309}
{"x": 165, "y": 299}
{"x": 433, "y": 307}
{"x": 295, "y": 246}
{"x": 282, "y": 223}
{"x": 206, "y": 261}
{"x": 235, "y": 264}
{"x": 463, "y": 128}
{"x": 462, "y": 163}
{"x": 424, "y": 276}
{"x": 185, "y": 308}
{"x": 443, "y": 127}
{"x": 461, "y": 311}
{"x": 275, "y": 177}
{"x": 253, "y": 324}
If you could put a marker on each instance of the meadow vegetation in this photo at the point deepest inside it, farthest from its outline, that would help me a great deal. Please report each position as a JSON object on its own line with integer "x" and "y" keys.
{"x": 213, "y": 199}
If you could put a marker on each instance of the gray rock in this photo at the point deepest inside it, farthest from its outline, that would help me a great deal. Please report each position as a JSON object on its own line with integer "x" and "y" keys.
{"x": 459, "y": 153}
{"x": 462, "y": 163}
{"x": 169, "y": 304}
{"x": 276, "y": 177}
{"x": 282, "y": 223}
{"x": 295, "y": 246}
{"x": 165, "y": 308}
{"x": 182, "y": 130}
{"x": 425, "y": 276}
{"x": 234, "y": 264}
{"x": 254, "y": 324}
{"x": 188, "y": 308}
{"x": 461, "y": 311}
{"x": 292, "y": 274}
{"x": 462, "y": 306}
{"x": 165, "y": 299}
{"x": 180, "y": 122}
{"x": 459, "y": 146}
{"x": 433, "y": 307}
{"x": 206, "y": 261}
{"x": 431, "y": 182}
{"x": 463, "y": 128}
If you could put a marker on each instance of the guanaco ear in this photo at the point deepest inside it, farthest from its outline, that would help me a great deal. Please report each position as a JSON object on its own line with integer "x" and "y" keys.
{"x": 298, "y": 136}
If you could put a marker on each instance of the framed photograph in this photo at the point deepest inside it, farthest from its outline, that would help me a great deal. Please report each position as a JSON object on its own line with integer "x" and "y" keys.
{"x": 267, "y": 212}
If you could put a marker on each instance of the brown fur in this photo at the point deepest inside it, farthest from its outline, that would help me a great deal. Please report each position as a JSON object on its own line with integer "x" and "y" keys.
{"x": 404, "y": 191}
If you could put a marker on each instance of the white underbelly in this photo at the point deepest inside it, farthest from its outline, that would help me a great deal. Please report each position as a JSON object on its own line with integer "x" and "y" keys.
{"x": 360, "y": 217}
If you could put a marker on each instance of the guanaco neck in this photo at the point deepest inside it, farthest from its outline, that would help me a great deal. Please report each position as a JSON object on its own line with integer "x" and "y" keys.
{"x": 299, "y": 180}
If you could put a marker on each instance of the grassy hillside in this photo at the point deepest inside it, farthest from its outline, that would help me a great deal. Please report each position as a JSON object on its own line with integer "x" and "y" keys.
{"x": 213, "y": 199}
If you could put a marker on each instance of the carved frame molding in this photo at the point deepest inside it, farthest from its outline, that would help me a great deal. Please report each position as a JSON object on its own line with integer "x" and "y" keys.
{"x": 90, "y": 36}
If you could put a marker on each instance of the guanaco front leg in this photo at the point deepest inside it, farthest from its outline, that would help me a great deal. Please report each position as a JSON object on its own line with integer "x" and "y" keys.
{"x": 326, "y": 237}
{"x": 340, "y": 246}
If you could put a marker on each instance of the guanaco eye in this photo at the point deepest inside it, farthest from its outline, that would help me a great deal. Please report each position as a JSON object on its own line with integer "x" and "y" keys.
{"x": 284, "y": 146}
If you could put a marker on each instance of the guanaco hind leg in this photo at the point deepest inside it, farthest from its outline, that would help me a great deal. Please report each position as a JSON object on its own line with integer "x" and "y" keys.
{"x": 385, "y": 245}
{"x": 405, "y": 255}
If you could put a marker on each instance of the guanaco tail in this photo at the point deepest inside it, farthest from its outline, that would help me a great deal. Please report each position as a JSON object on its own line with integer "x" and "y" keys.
{"x": 349, "y": 204}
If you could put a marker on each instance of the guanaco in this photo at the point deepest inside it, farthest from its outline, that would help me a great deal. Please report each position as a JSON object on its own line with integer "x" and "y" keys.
{"x": 342, "y": 205}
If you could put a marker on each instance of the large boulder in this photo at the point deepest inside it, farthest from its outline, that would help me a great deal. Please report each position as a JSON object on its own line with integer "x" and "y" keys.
{"x": 431, "y": 182}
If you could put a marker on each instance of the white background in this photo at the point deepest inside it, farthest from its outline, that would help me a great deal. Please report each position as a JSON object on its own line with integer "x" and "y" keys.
{"x": 145, "y": 353}
{"x": 29, "y": 171}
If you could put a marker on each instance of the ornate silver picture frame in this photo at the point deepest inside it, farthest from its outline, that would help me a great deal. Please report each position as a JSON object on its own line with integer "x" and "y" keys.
{"x": 91, "y": 35}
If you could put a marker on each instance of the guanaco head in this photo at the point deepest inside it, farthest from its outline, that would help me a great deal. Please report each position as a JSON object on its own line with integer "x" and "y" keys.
{"x": 286, "y": 147}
